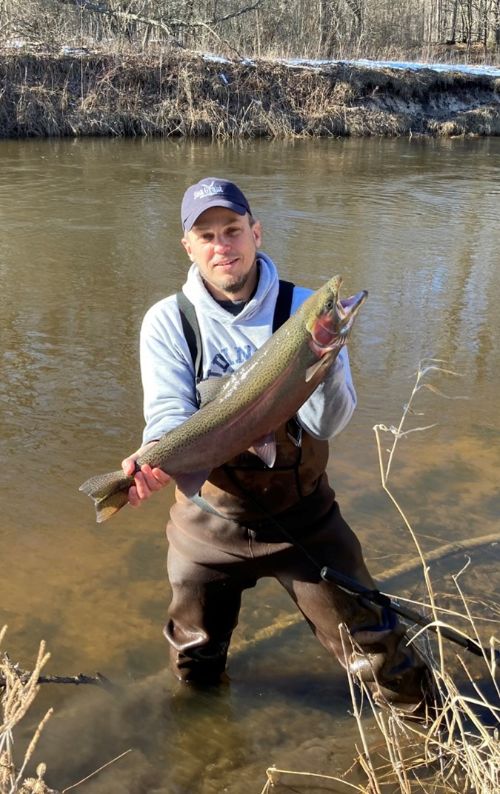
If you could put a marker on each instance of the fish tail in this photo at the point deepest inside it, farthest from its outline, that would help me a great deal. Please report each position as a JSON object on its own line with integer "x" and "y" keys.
{"x": 109, "y": 492}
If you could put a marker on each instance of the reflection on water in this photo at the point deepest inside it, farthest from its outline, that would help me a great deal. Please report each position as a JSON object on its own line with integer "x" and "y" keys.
{"x": 89, "y": 239}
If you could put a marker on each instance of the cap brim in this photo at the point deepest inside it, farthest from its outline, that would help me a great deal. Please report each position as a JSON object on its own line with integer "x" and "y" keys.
{"x": 230, "y": 205}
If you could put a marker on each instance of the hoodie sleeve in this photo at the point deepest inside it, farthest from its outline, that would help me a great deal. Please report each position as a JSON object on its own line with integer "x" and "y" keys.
{"x": 331, "y": 405}
{"x": 167, "y": 371}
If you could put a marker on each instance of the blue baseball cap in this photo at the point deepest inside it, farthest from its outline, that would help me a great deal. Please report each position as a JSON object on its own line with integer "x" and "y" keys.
{"x": 211, "y": 192}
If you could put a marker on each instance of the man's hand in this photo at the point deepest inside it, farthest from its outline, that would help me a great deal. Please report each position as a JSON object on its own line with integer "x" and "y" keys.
{"x": 147, "y": 480}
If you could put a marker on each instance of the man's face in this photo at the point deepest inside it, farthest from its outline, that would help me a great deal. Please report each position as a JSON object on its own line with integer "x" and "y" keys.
{"x": 223, "y": 244}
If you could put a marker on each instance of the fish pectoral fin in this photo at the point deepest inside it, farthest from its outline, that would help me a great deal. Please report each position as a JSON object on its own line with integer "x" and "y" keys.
{"x": 323, "y": 363}
{"x": 265, "y": 449}
{"x": 191, "y": 483}
{"x": 311, "y": 371}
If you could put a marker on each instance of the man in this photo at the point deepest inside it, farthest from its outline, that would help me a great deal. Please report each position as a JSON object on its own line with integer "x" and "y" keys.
{"x": 248, "y": 520}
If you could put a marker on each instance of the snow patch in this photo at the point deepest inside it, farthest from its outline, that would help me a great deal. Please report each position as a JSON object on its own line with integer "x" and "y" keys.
{"x": 477, "y": 69}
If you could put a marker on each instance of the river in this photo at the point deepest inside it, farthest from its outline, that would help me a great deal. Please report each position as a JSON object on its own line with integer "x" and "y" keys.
{"x": 89, "y": 239}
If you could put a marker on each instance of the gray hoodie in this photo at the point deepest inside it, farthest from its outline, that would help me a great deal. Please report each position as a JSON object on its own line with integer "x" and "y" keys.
{"x": 167, "y": 370}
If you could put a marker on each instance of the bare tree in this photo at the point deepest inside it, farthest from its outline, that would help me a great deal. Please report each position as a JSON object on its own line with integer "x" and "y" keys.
{"x": 328, "y": 28}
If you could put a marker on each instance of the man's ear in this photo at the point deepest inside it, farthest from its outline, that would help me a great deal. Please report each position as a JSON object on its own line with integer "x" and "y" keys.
{"x": 257, "y": 233}
{"x": 187, "y": 247}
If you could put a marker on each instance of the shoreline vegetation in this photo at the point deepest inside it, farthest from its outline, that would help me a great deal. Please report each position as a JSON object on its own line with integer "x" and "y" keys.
{"x": 187, "y": 94}
{"x": 141, "y": 68}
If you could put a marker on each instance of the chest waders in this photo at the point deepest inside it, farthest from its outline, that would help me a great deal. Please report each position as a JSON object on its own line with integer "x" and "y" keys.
{"x": 252, "y": 526}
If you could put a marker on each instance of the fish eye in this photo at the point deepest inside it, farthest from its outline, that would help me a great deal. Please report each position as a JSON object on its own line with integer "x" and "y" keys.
{"x": 329, "y": 305}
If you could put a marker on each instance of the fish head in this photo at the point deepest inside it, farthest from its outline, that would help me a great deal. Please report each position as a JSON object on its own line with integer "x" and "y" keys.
{"x": 330, "y": 320}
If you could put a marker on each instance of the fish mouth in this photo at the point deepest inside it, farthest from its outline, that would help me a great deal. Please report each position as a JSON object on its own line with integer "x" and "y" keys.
{"x": 349, "y": 307}
{"x": 331, "y": 331}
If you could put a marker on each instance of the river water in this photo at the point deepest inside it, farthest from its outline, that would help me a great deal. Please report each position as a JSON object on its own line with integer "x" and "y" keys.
{"x": 89, "y": 239}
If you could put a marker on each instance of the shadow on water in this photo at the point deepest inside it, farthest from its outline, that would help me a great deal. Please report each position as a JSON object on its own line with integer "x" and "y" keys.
{"x": 183, "y": 736}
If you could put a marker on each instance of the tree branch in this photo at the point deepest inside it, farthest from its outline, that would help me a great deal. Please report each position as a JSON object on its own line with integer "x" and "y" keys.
{"x": 97, "y": 680}
{"x": 89, "y": 5}
{"x": 234, "y": 14}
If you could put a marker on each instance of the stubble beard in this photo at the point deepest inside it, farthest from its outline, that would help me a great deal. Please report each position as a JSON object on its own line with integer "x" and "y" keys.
{"x": 234, "y": 285}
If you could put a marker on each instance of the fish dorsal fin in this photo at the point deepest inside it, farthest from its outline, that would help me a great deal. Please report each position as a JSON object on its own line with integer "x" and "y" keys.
{"x": 210, "y": 388}
{"x": 265, "y": 449}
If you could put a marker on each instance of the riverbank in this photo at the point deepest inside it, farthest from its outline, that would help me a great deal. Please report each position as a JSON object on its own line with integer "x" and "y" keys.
{"x": 192, "y": 95}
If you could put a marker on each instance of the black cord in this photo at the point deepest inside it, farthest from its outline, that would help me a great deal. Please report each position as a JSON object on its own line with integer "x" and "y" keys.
{"x": 356, "y": 589}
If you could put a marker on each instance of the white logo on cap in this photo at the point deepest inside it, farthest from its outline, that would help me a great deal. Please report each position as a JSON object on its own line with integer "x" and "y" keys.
{"x": 211, "y": 189}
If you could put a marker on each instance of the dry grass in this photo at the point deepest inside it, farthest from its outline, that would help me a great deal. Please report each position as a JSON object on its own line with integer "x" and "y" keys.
{"x": 457, "y": 749}
{"x": 18, "y": 695}
{"x": 18, "y": 690}
{"x": 181, "y": 94}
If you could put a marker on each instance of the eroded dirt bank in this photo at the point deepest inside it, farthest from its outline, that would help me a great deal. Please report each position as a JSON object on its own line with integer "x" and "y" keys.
{"x": 188, "y": 95}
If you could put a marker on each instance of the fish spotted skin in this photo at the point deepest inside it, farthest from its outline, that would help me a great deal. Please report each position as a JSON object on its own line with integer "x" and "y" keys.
{"x": 261, "y": 395}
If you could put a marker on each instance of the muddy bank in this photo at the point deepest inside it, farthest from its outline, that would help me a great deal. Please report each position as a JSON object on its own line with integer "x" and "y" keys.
{"x": 188, "y": 95}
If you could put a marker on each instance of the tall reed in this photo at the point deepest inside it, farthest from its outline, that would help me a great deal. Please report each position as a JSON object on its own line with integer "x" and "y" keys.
{"x": 457, "y": 749}
{"x": 18, "y": 694}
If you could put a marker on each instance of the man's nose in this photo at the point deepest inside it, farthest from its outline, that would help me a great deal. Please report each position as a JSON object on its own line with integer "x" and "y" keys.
{"x": 221, "y": 243}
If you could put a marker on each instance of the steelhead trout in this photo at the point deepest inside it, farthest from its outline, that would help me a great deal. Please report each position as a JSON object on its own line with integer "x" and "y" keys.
{"x": 261, "y": 395}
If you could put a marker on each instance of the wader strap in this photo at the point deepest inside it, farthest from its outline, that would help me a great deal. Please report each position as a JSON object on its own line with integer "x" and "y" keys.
{"x": 283, "y": 304}
{"x": 191, "y": 329}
